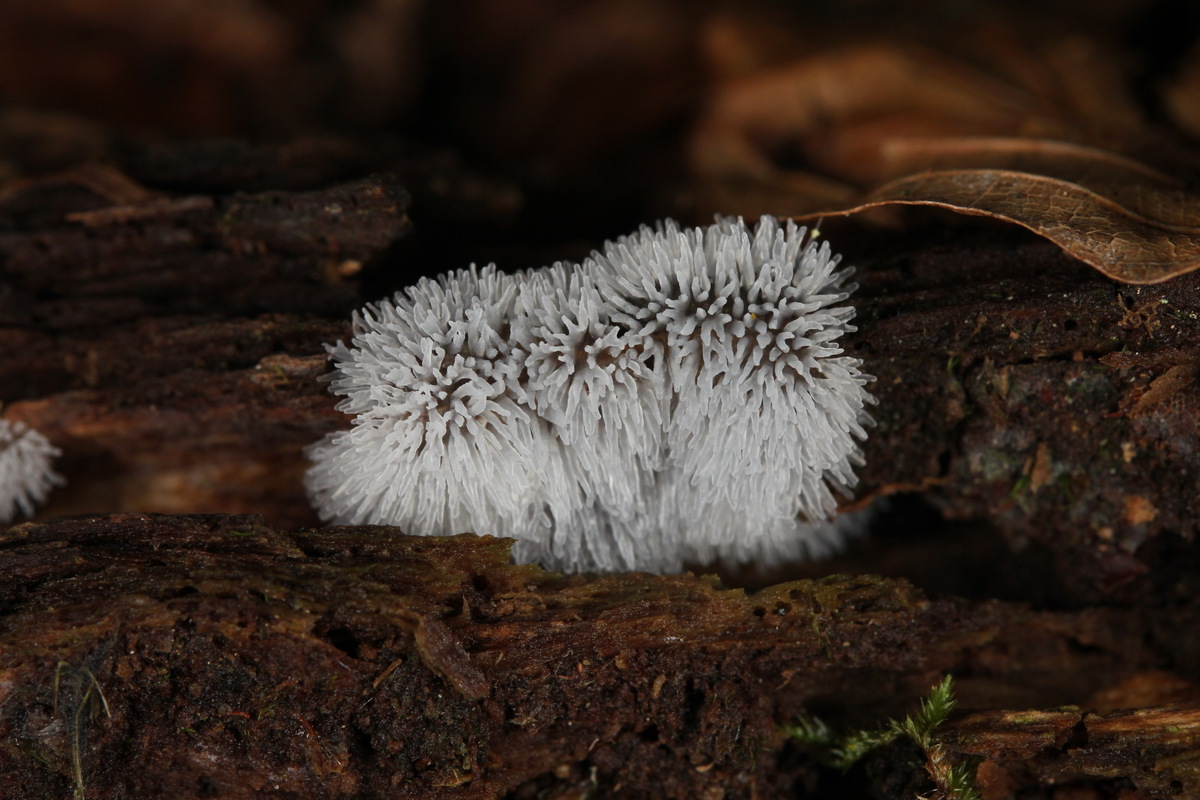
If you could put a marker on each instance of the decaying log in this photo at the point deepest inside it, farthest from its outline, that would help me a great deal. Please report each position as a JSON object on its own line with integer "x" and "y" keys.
{"x": 1019, "y": 386}
{"x": 155, "y": 656}
{"x": 135, "y": 317}
{"x": 162, "y": 316}
{"x": 171, "y": 343}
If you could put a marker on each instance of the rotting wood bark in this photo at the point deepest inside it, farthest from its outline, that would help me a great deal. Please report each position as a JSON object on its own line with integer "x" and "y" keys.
{"x": 1155, "y": 748}
{"x": 237, "y": 660}
{"x": 166, "y": 332}
{"x": 1018, "y": 386}
{"x": 163, "y": 313}
{"x": 171, "y": 346}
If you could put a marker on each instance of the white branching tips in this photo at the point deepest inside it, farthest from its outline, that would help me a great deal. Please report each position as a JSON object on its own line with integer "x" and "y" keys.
{"x": 679, "y": 396}
{"x": 26, "y": 469}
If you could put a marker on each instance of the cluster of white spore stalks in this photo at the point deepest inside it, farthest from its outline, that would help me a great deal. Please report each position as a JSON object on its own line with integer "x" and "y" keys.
{"x": 678, "y": 397}
{"x": 26, "y": 469}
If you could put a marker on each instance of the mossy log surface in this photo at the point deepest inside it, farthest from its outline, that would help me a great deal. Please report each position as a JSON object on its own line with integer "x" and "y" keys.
{"x": 188, "y": 656}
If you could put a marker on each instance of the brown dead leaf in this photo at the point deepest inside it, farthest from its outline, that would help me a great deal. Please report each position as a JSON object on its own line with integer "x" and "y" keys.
{"x": 1138, "y": 510}
{"x": 1087, "y": 80}
{"x": 1032, "y": 130}
{"x": 1124, "y": 179}
{"x": 1128, "y": 223}
{"x": 1163, "y": 388}
{"x": 797, "y": 138}
{"x": 101, "y": 180}
{"x": 749, "y": 118}
{"x": 1042, "y": 471}
{"x": 1181, "y": 95}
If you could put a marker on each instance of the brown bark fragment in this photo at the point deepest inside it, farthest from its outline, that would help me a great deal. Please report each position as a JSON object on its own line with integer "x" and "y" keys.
{"x": 1009, "y": 385}
{"x": 1157, "y": 747}
{"x": 242, "y": 660}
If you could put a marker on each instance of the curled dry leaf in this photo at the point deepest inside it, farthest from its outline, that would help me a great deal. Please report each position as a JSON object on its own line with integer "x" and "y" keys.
{"x": 830, "y": 112}
{"x": 106, "y": 182}
{"x": 1028, "y": 139}
{"x": 1181, "y": 94}
{"x": 1128, "y": 221}
{"x": 898, "y": 88}
{"x": 1123, "y": 177}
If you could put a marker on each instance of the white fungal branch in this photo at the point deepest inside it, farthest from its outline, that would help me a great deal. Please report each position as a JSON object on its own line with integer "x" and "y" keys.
{"x": 26, "y": 469}
{"x": 680, "y": 395}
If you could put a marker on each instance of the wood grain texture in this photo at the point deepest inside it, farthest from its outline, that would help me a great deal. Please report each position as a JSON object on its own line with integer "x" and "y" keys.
{"x": 240, "y": 660}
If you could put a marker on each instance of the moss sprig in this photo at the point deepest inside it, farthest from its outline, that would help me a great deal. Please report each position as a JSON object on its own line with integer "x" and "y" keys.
{"x": 952, "y": 781}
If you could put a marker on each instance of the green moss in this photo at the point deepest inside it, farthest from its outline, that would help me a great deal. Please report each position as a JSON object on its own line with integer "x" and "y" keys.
{"x": 953, "y": 781}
